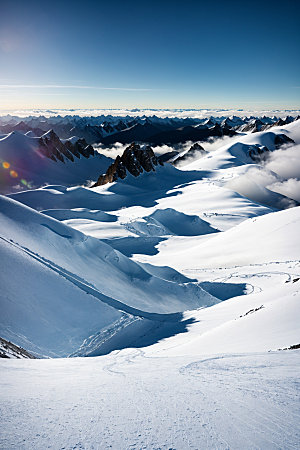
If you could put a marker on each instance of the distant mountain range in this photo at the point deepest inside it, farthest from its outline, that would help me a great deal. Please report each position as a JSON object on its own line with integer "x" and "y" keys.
{"x": 153, "y": 130}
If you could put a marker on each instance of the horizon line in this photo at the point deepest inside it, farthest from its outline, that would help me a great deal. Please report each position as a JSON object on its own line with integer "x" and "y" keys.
{"x": 72, "y": 86}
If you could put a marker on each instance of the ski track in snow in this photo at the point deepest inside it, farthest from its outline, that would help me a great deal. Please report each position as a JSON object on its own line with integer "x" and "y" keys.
{"x": 228, "y": 401}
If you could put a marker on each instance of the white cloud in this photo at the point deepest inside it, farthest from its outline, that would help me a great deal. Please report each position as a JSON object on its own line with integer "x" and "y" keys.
{"x": 111, "y": 151}
{"x": 285, "y": 162}
{"x": 171, "y": 113}
{"x": 290, "y": 188}
{"x": 279, "y": 174}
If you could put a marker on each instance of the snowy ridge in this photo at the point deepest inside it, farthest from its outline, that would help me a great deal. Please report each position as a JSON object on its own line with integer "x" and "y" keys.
{"x": 46, "y": 240}
{"x": 32, "y": 162}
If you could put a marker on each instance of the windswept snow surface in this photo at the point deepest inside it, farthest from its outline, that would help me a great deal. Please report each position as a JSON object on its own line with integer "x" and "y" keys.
{"x": 182, "y": 287}
{"x": 37, "y": 247}
{"x": 128, "y": 400}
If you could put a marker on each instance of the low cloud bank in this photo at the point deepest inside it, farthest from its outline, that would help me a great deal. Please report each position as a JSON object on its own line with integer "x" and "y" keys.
{"x": 116, "y": 149}
{"x": 172, "y": 113}
{"x": 112, "y": 151}
{"x": 286, "y": 163}
{"x": 279, "y": 174}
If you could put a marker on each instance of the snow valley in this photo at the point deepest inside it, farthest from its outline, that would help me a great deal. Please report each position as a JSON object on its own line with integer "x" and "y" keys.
{"x": 150, "y": 281}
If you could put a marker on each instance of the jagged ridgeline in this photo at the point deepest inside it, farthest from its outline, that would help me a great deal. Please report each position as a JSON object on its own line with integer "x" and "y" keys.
{"x": 27, "y": 161}
{"x": 151, "y": 130}
{"x": 52, "y": 147}
{"x": 135, "y": 160}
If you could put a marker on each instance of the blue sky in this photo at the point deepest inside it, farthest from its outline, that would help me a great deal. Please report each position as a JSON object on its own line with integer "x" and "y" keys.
{"x": 159, "y": 54}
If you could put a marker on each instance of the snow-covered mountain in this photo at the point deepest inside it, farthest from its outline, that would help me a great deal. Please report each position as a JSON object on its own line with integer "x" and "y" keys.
{"x": 28, "y": 161}
{"x": 109, "y": 129}
{"x": 173, "y": 288}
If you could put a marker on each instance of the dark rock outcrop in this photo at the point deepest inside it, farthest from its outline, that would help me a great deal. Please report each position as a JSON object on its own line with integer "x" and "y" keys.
{"x": 10, "y": 350}
{"x": 190, "y": 133}
{"x": 134, "y": 160}
{"x": 281, "y": 139}
{"x": 196, "y": 151}
{"x": 53, "y": 148}
{"x": 168, "y": 157}
{"x": 253, "y": 126}
{"x": 258, "y": 153}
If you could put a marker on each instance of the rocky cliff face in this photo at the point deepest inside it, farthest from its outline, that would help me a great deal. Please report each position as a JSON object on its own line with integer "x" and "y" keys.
{"x": 253, "y": 126}
{"x": 52, "y": 147}
{"x": 10, "y": 350}
{"x": 135, "y": 160}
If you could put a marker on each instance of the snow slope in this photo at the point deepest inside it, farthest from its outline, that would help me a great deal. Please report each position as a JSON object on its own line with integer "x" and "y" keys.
{"x": 269, "y": 238}
{"x": 235, "y": 152}
{"x": 64, "y": 260}
{"x": 236, "y": 170}
{"x": 188, "y": 311}
{"x": 21, "y": 152}
{"x": 128, "y": 400}
{"x": 169, "y": 218}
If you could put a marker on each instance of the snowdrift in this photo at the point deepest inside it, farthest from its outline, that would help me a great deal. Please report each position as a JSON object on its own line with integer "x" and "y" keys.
{"x": 66, "y": 260}
{"x": 270, "y": 238}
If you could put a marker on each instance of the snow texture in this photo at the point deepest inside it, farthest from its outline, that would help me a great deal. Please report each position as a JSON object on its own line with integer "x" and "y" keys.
{"x": 176, "y": 297}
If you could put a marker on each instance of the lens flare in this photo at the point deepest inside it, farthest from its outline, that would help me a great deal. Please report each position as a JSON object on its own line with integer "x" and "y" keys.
{"x": 13, "y": 174}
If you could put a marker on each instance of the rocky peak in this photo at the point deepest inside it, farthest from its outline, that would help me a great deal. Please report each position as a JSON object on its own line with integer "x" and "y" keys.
{"x": 107, "y": 127}
{"x": 51, "y": 136}
{"x": 53, "y": 148}
{"x": 134, "y": 160}
{"x": 197, "y": 147}
{"x": 252, "y": 126}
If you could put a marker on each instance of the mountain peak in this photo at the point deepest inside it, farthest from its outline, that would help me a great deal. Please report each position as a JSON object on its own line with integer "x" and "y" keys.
{"x": 135, "y": 160}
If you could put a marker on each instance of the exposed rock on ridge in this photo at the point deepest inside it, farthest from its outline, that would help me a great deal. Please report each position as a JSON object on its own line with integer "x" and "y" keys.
{"x": 52, "y": 147}
{"x": 135, "y": 160}
{"x": 10, "y": 350}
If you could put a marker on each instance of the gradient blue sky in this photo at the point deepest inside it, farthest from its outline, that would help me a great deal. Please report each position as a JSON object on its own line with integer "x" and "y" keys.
{"x": 159, "y": 54}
